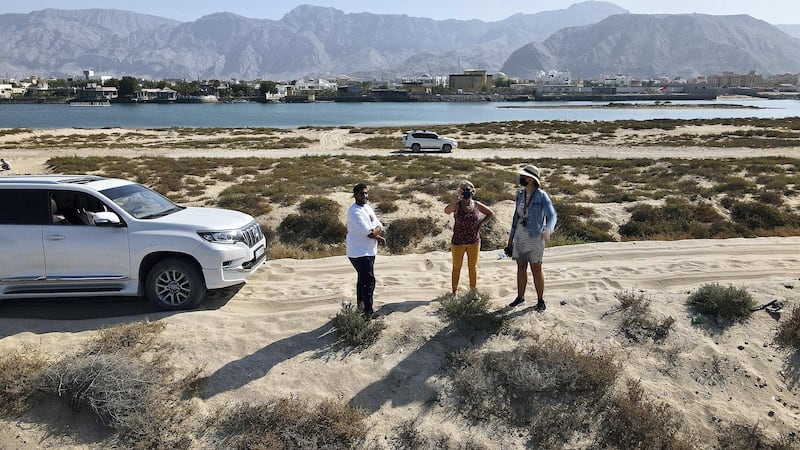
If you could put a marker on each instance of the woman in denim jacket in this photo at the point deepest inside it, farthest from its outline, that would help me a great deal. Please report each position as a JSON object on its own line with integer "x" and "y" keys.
{"x": 533, "y": 223}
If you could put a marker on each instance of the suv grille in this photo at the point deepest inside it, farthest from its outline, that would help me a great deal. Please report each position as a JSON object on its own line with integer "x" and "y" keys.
{"x": 251, "y": 234}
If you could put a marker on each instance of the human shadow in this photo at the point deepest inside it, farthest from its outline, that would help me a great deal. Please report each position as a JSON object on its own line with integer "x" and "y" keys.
{"x": 792, "y": 370}
{"x": 240, "y": 372}
{"x": 407, "y": 382}
{"x": 322, "y": 341}
{"x": 45, "y": 315}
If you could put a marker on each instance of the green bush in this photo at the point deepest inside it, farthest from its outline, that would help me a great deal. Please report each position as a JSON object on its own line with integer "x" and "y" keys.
{"x": 676, "y": 219}
{"x": 354, "y": 329}
{"x": 299, "y": 228}
{"x": 402, "y": 233}
{"x": 759, "y": 216}
{"x": 727, "y": 302}
{"x": 574, "y": 225}
{"x": 319, "y": 205}
{"x": 472, "y": 307}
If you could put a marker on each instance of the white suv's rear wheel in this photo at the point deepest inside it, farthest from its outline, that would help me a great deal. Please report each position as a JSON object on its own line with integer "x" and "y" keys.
{"x": 415, "y": 147}
{"x": 174, "y": 284}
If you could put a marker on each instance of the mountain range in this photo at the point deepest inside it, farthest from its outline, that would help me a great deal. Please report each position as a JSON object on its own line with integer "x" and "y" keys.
{"x": 685, "y": 45}
{"x": 589, "y": 39}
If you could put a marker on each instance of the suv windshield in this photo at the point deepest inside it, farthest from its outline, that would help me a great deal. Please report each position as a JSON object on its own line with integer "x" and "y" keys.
{"x": 141, "y": 202}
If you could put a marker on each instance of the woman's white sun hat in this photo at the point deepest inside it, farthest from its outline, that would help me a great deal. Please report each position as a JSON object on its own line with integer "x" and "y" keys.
{"x": 532, "y": 172}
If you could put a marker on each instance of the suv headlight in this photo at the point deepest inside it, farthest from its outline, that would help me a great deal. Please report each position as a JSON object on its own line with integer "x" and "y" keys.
{"x": 221, "y": 237}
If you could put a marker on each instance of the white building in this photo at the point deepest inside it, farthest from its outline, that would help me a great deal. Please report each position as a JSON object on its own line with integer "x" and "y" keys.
{"x": 6, "y": 90}
{"x": 554, "y": 77}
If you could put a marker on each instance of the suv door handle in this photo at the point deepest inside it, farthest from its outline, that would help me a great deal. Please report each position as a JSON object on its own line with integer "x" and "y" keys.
{"x": 54, "y": 237}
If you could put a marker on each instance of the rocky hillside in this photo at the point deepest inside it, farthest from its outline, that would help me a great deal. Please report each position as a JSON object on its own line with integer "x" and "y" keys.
{"x": 651, "y": 45}
{"x": 309, "y": 40}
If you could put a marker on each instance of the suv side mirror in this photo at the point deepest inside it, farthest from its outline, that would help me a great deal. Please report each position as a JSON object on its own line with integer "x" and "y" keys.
{"x": 106, "y": 219}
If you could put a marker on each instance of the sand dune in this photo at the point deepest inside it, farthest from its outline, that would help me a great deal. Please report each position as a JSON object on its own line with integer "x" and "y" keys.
{"x": 273, "y": 336}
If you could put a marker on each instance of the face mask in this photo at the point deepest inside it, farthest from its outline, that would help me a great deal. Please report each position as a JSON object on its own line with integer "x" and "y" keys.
{"x": 467, "y": 194}
{"x": 523, "y": 181}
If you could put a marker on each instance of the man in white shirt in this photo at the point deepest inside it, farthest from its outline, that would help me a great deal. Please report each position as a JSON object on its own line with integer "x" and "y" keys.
{"x": 363, "y": 237}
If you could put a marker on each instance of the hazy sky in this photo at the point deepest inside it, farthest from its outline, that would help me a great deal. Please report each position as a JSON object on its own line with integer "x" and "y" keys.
{"x": 772, "y": 11}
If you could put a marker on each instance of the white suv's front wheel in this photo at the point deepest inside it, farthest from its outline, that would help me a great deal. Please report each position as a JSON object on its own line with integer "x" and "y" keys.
{"x": 174, "y": 284}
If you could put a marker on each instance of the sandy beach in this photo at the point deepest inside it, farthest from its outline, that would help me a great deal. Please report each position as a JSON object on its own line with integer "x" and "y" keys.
{"x": 273, "y": 337}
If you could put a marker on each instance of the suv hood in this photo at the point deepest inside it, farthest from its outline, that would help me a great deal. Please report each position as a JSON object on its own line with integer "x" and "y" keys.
{"x": 209, "y": 219}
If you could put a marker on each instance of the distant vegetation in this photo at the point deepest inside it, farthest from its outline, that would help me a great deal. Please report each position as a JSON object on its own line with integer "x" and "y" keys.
{"x": 665, "y": 198}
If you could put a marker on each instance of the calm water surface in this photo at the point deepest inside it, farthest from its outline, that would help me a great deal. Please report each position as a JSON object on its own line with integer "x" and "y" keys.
{"x": 282, "y": 115}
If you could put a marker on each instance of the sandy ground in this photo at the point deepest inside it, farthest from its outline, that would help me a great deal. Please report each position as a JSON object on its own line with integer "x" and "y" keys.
{"x": 273, "y": 336}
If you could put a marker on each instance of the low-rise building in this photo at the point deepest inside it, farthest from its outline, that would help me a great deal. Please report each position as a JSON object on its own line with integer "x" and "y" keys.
{"x": 156, "y": 95}
{"x": 471, "y": 81}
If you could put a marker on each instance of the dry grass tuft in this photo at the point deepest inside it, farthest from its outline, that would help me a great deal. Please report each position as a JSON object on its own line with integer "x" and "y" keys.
{"x": 291, "y": 423}
{"x": 124, "y": 379}
{"x": 789, "y": 330}
{"x": 20, "y": 379}
{"x": 638, "y": 322}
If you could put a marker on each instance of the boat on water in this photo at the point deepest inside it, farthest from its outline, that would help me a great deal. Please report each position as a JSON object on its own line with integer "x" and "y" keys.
{"x": 90, "y": 103}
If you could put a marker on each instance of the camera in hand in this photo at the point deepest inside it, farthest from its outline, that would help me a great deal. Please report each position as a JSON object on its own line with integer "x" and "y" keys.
{"x": 508, "y": 251}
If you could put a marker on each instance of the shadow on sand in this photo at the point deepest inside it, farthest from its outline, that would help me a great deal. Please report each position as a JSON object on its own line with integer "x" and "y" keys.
{"x": 81, "y": 313}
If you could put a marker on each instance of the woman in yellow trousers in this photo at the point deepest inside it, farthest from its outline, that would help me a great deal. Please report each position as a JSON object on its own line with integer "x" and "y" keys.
{"x": 470, "y": 215}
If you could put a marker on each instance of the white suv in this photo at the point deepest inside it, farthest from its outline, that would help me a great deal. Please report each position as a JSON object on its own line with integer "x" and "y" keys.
{"x": 75, "y": 235}
{"x": 419, "y": 139}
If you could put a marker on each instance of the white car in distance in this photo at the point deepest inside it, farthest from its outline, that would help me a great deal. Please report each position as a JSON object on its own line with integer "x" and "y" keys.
{"x": 417, "y": 140}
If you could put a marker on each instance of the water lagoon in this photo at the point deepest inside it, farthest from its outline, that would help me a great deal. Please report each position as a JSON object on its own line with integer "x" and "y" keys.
{"x": 283, "y": 115}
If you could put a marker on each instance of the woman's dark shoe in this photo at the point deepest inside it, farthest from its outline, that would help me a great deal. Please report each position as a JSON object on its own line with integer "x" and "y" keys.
{"x": 516, "y": 302}
{"x": 540, "y": 306}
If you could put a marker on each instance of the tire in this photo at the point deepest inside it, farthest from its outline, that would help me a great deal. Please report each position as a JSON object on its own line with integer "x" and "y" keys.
{"x": 415, "y": 148}
{"x": 175, "y": 284}
{"x": 447, "y": 148}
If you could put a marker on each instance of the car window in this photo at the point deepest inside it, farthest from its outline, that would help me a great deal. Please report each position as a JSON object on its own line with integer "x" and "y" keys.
{"x": 74, "y": 208}
{"x": 141, "y": 202}
{"x": 24, "y": 207}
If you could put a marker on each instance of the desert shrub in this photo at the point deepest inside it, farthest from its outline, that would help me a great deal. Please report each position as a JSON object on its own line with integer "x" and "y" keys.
{"x": 759, "y": 216}
{"x": 135, "y": 338}
{"x": 129, "y": 387}
{"x": 637, "y": 320}
{"x": 575, "y": 225}
{"x": 20, "y": 378}
{"x": 387, "y": 206}
{"x": 292, "y": 423}
{"x": 770, "y": 197}
{"x": 309, "y": 249}
{"x": 727, "y": 302}
{"x": 402, "y": 233}
{"x": 677, "y": 218}
{"x": 789, "y": 330}
{"x": 516, "y": 384}
{"x": 255, "y": 205}
{"x": 298, "y": 228}
{"x": 354, "y": 329}
{"x": 407, "y": 436}
{"x": 634, "y": 422}
{"x": 493, "y": 235}
{"x": 471, "y": 308}
{"x": 319, "y": 205}
{"x": 740, "y": 435}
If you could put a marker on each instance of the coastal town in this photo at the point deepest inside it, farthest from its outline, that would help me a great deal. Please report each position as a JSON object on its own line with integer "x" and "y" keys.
{"x": 93, "y": 89}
